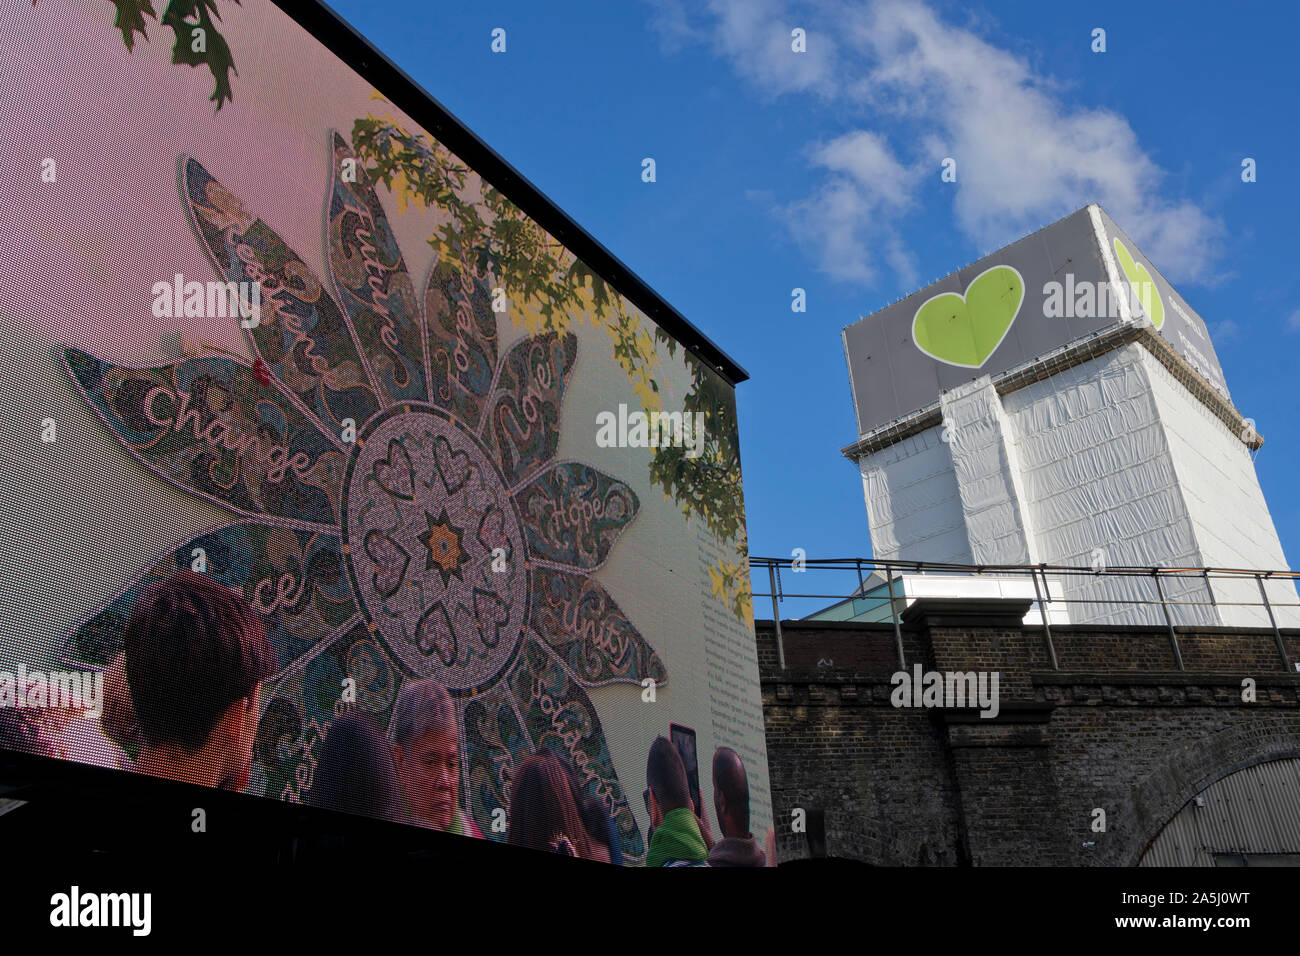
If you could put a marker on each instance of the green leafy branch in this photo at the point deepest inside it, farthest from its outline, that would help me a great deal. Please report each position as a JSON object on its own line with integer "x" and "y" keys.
{"x": 185, "y": 18}
{"x": 709, "y": 486}
{"x": 491, "y": 236}
{"x": 547, "y": 285}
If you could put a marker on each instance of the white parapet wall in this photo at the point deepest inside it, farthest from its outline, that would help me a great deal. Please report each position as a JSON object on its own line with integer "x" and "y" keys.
{"x": 914, "y": 586}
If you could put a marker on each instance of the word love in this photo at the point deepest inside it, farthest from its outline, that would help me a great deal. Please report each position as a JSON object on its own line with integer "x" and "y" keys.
{"x": 211, "y": 300}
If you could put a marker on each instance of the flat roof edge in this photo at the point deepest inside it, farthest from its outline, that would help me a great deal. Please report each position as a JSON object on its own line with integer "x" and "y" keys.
{"x": 934, "y": 282}
{"x": 366, "y": 60}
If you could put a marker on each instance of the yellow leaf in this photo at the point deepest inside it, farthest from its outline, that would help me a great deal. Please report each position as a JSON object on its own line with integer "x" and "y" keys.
{"x": 400, "y": 189}
{"x": 716, "y": 578}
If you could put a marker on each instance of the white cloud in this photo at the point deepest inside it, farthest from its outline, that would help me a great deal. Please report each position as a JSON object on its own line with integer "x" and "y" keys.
{"x": 1025, "y": 156}
{"x": 1225, "y": 331}
{"x": 847, "y": 222}
{"x": 669, "y": 19}
{"x": 865, "y": 157}
{"x": 756, "y": 34}
{"x": 1293, "y": 321}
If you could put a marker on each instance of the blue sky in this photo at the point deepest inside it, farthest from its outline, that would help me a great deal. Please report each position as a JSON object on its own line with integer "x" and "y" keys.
{"x": 821, "y": 171}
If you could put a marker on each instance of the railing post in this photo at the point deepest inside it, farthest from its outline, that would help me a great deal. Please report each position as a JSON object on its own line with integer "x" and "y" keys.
{"x": 1042, "y": 610}
{"x": 1169, "y": 621}
{"x": 893, "y": 612}
{"x": 1277, "y": 635}
{"x": 776, "y": 616}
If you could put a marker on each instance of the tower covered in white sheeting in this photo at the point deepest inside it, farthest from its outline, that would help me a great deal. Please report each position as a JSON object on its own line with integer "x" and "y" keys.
{"x": 1058, "y": 402}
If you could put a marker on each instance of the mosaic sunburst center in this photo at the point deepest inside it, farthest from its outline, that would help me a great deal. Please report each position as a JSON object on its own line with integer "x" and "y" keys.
{"x": 434, "y": 547}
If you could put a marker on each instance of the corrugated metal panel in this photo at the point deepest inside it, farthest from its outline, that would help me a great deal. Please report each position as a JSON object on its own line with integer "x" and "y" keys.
{"x": 1179, "y": 844}
{"x": 1253, "y": 811}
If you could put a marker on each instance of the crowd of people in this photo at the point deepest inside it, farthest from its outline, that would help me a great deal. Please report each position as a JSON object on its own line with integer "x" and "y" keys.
{"x": 182, "y": 701}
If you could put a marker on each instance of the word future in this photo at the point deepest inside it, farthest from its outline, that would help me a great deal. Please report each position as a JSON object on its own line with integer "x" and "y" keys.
{"x": 102, "y": 909}
{"x": 655, "y": 430}
{"x": 211, "y": 300}
{"x": 949, "y": 689}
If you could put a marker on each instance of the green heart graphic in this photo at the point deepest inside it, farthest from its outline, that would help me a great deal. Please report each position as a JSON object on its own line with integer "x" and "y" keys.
{"x": 1141, "y": 283}
{"x": 966, "y": 329}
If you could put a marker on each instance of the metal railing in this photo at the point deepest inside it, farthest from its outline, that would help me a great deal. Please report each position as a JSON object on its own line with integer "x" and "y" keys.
{"x": 1038, "y": 574}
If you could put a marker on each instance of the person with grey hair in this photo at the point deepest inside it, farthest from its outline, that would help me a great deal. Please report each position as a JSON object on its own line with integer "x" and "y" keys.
{"x": 426, "y": 753}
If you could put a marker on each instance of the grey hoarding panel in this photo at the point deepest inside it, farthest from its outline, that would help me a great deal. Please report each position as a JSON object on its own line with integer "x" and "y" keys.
{"x": 1023, "y": 301}
{"x": 1181, "y": 327}
{"x": 869, "y": 358}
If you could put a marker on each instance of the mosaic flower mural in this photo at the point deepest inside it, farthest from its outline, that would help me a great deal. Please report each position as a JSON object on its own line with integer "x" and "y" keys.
{"x": 398, "y": 508}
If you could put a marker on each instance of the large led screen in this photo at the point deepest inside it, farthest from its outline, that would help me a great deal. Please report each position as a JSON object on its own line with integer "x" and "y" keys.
{"x": 329, "y": 475}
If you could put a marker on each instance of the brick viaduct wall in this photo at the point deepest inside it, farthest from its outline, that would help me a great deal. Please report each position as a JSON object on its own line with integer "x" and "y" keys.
{"x": 1116, "y": 726}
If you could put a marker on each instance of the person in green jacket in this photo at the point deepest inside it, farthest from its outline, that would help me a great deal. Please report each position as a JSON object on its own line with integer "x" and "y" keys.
{"x": 677, "y": 839}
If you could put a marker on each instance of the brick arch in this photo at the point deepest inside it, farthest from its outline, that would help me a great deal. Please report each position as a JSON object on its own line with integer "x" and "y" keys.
{"x": 1171, "y": 783}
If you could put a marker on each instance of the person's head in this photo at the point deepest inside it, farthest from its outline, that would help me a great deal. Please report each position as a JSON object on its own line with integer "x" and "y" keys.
{"x": 596, "y": 820}
{"x": 195, "y": 657}
{"x": 118, "y": 721}
{"x": 542, "y": 809}
{"x": 355, "y": 772}
{"x": 730, "y": 793}
{"x": 666, "y": 775}
{"x": 592, "y": 811}
{"x": 426, "y": 752}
